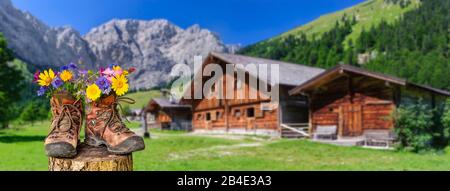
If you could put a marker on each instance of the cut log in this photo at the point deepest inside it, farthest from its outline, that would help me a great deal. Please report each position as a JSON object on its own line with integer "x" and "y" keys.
{"x": 92, "y": 159}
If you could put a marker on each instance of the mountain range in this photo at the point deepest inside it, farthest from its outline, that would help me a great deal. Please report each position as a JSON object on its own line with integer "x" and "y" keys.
{"x": 153, "y": 46}
{"x": 404, "y": 38}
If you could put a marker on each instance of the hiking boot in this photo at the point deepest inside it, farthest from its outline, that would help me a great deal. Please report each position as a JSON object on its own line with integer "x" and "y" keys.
{"x": 104, "y": 126}
{"x": 65, "y": 126}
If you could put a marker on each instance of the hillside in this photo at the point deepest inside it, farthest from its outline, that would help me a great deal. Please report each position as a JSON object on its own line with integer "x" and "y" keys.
{"x": 142, "y": 98}
{"x": 414, "y": 46}
{"x": 367, "y": 14}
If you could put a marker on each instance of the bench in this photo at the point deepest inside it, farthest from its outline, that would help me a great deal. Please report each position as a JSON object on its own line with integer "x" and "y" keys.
{"x": 379, "y": 138}
{"x": 326, "y": 132}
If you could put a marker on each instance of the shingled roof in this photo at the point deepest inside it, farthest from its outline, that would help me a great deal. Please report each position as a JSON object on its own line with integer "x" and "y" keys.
{"x": 342, "y": 68}
{"x": 166, "y": 103}
{"x": 289, "y": 73}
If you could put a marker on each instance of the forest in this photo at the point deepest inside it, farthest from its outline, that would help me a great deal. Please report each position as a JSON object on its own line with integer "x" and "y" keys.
{"x": 415, "y": 47}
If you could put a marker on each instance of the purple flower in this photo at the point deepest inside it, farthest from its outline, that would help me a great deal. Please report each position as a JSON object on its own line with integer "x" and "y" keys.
{"x": 72, "y": 66}
{"x": 62, "y": 68}
{"x": 57, "y": 82}
{"x": 41, "y": 91}
{"x": 106, "y": 91}
{"x": 103, "y": 84}
{"x": 82, "y": 72}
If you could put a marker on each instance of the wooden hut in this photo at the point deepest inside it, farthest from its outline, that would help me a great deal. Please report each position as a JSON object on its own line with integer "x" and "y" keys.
{"x": 250, "y": 115}
{"x": 355, "y": 101}
{"x": 167, "y": 114}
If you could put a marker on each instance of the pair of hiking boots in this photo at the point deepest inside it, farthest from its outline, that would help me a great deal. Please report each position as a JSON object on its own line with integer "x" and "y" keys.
{"x": 104, "y": 126}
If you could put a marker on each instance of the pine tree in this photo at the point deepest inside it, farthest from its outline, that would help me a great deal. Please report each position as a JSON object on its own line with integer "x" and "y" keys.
{"x": 11, "y": 83}
{"x": 415, "y": 47}
{"x": 30, "y": 113}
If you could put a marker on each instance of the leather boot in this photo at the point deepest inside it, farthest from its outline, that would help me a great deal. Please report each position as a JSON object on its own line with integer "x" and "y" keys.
{"x": 104, "y": 126}
{"x": 65, "y": 126}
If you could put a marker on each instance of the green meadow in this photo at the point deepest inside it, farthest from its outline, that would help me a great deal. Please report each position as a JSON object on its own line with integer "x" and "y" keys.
{"x": 368, "y": 14}
{"x": 142, "y": 98}
{"x": 22, "y": 149}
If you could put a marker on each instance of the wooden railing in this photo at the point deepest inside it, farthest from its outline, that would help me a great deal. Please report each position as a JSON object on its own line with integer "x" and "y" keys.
{"x": 301, "y": 128}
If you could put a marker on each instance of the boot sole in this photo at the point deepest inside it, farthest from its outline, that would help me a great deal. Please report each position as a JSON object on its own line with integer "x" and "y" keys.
{"x": 60, "y": 150}
{"x": 136, "y": 142}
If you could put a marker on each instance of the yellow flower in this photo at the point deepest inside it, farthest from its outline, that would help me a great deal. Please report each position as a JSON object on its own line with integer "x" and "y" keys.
{"x": 120, "y": 85}
{"x": 66, "y": 75}
{"x": 46, "y": 77}
{"x": 119, "y": 71}
{"x": 115, "y": 68}
{"x": 93, "y": 92}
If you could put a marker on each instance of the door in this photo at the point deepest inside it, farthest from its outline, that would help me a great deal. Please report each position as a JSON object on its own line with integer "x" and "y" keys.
{"x": 350, "y": 120}
{"x": 250, "y": 116}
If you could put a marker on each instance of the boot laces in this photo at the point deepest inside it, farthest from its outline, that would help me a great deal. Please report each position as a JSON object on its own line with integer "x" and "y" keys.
{"x": 65, "y": 120}
{"x": 115, "y": 120}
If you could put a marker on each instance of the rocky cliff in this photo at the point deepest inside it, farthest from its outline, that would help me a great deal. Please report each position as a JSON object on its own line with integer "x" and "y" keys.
{"x": 153, "y": 46}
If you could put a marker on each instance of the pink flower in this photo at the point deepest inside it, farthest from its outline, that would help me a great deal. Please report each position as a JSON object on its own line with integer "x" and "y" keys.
{"x": 108, "y": 72}
{"x": 117, "y": 70}
{"x": 101, "y": 71}
{"x": 36, "y": 76}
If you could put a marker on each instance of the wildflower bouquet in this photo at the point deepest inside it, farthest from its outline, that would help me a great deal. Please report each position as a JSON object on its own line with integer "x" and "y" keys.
{"x": 107, "y": 81}
{"x": 83, "y": 84}
{"x": 68, "y": 79}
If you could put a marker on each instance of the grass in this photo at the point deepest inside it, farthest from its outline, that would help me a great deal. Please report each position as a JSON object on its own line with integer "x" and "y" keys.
{"x": 22, "y": 149}
{"x": 369, "y": 13}
{"x": 142, "y": 98}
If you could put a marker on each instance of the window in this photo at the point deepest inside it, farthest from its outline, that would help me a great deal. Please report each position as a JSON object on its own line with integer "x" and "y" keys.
{"x": 208, "y": 116}
{"x": 199, "y": 116}
{"x": 151, "y": 118}
{"x": 237, "y": 113}
{"x": 250, "y": 112}
{"x": 218, "y": 115}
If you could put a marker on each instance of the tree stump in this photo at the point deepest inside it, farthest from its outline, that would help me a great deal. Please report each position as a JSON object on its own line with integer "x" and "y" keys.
{"x": 92, "y": 159}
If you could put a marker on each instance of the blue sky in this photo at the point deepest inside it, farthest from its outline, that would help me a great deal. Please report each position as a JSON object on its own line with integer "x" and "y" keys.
{"x": 236, "y": 21}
